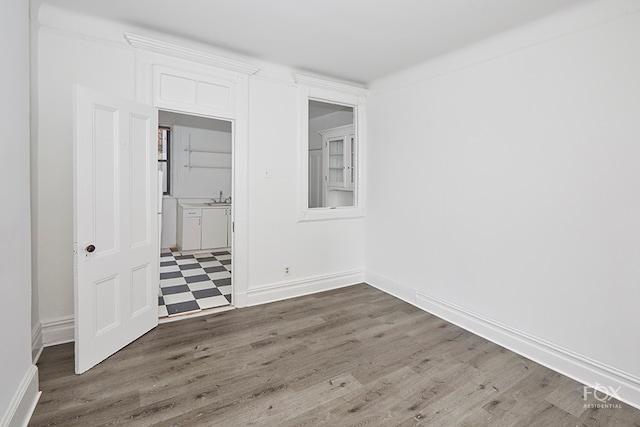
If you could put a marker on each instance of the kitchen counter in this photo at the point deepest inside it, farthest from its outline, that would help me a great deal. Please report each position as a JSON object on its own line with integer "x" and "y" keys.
{"x": 205, "y": 205}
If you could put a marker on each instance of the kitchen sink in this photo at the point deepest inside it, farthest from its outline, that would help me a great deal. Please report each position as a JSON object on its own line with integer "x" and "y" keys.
{"x": 204, "y": 205}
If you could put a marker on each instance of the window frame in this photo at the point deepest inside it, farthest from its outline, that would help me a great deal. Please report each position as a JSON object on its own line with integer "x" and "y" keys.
{"x": 167, "y": 177}
{"x": 313, "y": 89}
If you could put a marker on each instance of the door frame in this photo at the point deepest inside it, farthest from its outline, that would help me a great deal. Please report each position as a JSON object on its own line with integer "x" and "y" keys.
{"x": 148, "y": 61}
{"x": 233, "y": 194}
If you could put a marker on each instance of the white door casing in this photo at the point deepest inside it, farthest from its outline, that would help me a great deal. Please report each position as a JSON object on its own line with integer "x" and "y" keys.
{"x": 115, "y": 224}
{"x": 153, "y": 56}
{"x": 315, "y": 179}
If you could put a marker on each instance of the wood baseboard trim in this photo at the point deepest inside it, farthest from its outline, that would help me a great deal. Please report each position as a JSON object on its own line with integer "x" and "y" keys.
{"x": 585, "y": 370}
{"x": 297, "y": 288}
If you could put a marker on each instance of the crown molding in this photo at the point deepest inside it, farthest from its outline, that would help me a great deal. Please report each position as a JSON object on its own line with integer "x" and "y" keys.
{"x": 177, "y": 51}
{"x": 320, "y": 83}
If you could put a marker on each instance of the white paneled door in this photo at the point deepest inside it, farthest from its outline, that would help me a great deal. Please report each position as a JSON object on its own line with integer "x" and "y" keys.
{"x": 115, "y": 224}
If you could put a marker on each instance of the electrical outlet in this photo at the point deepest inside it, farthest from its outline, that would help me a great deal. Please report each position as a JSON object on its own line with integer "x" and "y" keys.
{"x": 287, "y": 270}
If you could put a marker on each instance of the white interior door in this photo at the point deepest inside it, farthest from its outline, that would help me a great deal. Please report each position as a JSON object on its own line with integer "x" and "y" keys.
{"x": 115, "y": 224}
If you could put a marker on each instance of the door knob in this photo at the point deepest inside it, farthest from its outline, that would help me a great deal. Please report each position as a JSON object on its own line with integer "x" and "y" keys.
{"x": 90, "y": 248}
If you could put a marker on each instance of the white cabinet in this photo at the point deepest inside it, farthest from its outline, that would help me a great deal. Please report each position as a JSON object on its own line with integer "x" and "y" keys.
{"x": 189, "y": 235}
{"x": 339, "y": 166}
{"x": 203, "y": 227}
{"x": 339, "y": 157}
{"x": 214, "y": 227}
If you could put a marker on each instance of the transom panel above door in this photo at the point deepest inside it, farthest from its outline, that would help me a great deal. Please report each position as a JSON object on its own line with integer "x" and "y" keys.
{"x": 182, "y": 90}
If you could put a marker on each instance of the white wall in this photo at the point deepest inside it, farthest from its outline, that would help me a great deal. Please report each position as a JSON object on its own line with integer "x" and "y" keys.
{"x": 199, "y": 133}
{"x": 104, "y": 62}
{"x": 19, "y": 377}
{"x": 36, "y": 343}
{"x": 203, "y": 133}
{"x": 311, "y": 249}
{"x": 510, "y": 192}
{"x": 205, "y": 183}
{"x": 328, "y": 121}
{"x": 64, "y": 61}
{"x": 195, "y": 183}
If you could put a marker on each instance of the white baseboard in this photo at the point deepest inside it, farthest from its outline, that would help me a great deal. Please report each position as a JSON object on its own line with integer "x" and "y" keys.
{"x": 240, "y": 299}
{"x": 36, "y": 342}
{"x": 24, "y": 401}
{"x": 564, "y": 361}
{"x": 296, "y": 288}
{"x": 398, "y": 290}
{"x": 59, "y": 330}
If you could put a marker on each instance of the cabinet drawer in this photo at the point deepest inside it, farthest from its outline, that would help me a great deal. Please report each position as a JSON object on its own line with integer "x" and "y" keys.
{"x": 192, "y": 212}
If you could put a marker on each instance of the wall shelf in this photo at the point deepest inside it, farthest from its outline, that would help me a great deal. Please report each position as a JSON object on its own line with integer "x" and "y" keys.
{"x": 226, "y": 155}
{"x": 206, "y": 167}
{"x": 206, "y": 151}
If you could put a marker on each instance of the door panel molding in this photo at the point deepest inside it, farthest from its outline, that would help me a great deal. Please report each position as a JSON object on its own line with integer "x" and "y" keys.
{"x": 115, "y": 193}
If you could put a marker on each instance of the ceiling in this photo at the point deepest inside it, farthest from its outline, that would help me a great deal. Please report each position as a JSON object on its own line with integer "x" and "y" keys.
{"x": 355, "y": 40}
{"x": 319, "y": 108}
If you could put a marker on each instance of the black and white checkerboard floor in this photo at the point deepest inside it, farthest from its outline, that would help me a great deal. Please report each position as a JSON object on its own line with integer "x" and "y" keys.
{"x": 191, "y": 283}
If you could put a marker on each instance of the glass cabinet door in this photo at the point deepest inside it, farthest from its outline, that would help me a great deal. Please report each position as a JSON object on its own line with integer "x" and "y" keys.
{"x": 336, "y": 162}
{"x": 339, "y": 164}
{"x": 352, "y": 162}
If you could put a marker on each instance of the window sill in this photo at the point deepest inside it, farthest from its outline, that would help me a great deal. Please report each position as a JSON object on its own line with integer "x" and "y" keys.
{"x": 326, "y": 214}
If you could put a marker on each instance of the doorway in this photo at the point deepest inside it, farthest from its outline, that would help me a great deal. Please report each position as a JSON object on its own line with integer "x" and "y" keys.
{"x": 195, "y": 155}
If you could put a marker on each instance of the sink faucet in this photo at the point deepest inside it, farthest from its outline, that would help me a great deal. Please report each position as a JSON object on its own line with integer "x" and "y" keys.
{"x": 220, "y": 196}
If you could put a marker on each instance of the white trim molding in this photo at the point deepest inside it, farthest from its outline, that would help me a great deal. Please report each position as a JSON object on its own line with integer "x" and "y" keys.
{"x": 36, "y": 342}
{"x": 296, "y": 288}
{"x": 562, "y": 360}
{"x": 333, "y": 85}
{"x": 313, "y": 88}
{"x": 183, "y": 52}
{"x": 205, "y": 64}
{"x": 59, "y": 330}
{"x": 24, "y": 401}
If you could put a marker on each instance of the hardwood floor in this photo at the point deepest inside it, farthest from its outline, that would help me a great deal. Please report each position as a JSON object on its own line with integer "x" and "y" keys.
{"x": 352, "y": 356}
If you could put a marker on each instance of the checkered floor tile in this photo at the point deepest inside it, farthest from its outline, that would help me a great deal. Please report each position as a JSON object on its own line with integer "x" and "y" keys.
{"x": 191, "y": 283}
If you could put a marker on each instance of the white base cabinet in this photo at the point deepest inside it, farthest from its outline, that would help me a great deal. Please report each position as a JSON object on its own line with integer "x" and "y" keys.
{"x": 203, "y": 227}
{"x": 191, "y": 234}
{"x": 214, "y": 228}
{"x": 189, "y": 230}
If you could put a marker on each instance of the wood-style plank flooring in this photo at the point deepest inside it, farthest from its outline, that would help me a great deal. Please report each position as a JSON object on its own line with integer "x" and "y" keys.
{"x": 349, "y": 357}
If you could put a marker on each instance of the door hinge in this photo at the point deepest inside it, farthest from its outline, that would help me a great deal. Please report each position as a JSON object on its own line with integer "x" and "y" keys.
{"x": 233, "y": 227}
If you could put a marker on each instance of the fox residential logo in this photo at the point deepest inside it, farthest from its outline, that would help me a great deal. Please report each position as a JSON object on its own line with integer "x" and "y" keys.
{"x": 603, "y": 395}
